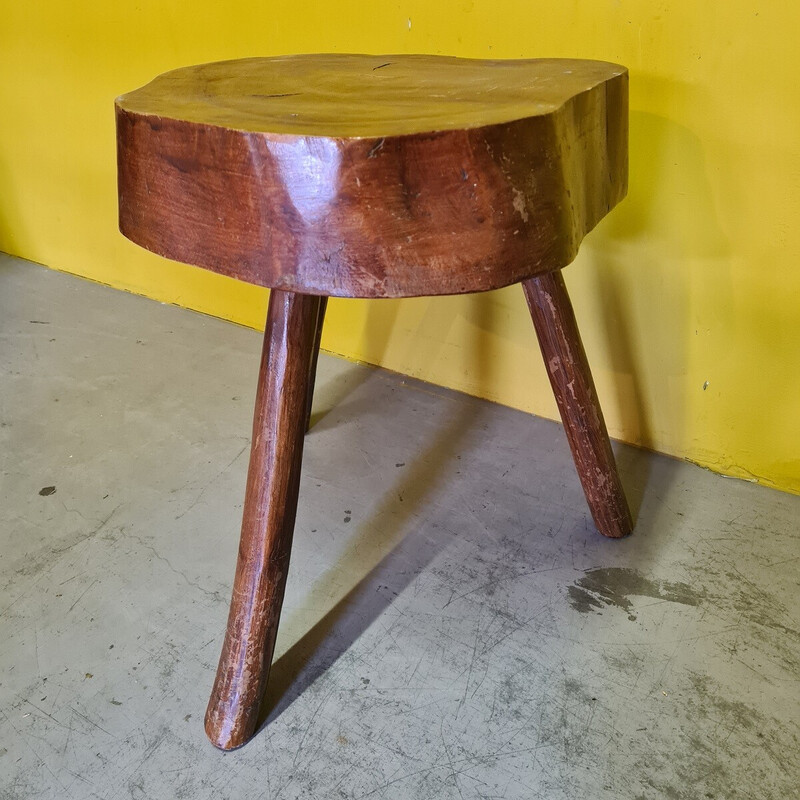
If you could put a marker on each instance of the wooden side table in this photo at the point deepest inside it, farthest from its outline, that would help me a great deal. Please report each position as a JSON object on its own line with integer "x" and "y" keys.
{"x": 371, "y": 176}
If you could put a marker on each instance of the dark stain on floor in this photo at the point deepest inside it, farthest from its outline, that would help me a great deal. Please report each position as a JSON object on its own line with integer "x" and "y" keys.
{"x": 614, "y": 586}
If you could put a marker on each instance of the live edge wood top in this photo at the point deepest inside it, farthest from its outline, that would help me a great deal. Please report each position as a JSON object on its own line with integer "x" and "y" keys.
{"x": 373, "y": 176}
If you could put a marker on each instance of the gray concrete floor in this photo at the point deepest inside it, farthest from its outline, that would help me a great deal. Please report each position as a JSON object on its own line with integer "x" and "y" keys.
{"x": 453, "y": 628}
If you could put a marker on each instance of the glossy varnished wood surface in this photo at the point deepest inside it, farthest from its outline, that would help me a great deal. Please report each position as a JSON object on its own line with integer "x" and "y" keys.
{"x": 573, "y": 386}
{"x": 351, "y": 96}
{"x": 270, "y": 506}
{"x": 373, "y": 176}
{"x": 370, "y": 177}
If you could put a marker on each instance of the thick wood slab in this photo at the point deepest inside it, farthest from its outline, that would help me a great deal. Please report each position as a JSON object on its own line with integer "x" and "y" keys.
{"x": 373, "y": 176}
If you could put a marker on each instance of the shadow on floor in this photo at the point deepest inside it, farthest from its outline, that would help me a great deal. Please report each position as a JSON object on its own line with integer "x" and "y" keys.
{"x": 390, "y": 529}
{"x": 310, "y": 657}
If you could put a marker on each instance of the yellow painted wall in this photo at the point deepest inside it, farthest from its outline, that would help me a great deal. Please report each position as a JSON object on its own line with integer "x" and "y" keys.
{"x": 694, "y": 281}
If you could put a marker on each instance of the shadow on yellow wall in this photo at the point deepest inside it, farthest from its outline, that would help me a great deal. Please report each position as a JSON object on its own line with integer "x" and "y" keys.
{"x": 646, "y": 233}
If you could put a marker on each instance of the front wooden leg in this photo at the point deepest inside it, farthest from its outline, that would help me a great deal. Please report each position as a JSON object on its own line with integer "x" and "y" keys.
{"x": 268, "y": 520}
{"x": 573, "y": 387}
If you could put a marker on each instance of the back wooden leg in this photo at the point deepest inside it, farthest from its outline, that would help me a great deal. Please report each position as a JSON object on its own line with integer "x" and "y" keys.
{"x": 268, "y": 520}
{"x": 573, "y": 387}
{"x": 312, "y": 376}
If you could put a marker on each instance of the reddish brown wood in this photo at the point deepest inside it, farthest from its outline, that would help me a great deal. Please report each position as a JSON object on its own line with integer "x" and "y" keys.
{"x": 573, "y": 386}
{"x": 373, "y": 176}
{"x": 268, "y": 520}
{"x": 312, "y": 377}
{"x": 370, "y": 176}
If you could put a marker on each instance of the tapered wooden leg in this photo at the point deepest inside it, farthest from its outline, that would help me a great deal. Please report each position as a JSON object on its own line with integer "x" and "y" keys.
{"x": 573, "y": 386}
{"x": 312, "y": 377}
{"x": 268, "y": 519}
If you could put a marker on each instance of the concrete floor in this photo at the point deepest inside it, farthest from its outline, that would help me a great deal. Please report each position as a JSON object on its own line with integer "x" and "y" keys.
{"x": 453, "y": 626}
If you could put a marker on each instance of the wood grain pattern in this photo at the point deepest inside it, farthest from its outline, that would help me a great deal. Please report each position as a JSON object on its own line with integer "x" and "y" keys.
{"x": 365, "y": 176}
{"x": 576, "y": 396}
{"x": 268, "y": 519}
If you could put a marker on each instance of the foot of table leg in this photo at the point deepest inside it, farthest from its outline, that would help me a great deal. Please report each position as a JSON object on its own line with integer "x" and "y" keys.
{"x": 573, "y": 386}
{"x": 268, "y": 519}
{"x": 312, "y": 376}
